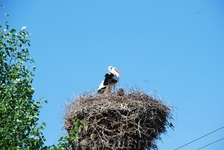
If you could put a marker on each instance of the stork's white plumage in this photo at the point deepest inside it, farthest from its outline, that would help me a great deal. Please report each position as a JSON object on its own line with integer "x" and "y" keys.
{"x": 110, "y": 81}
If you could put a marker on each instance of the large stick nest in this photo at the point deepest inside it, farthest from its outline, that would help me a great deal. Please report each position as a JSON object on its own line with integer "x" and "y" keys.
{"x": 120, "y": 121}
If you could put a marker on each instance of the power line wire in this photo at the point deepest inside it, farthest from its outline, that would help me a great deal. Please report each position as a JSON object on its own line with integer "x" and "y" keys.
{"x": 210, "y": 143}
{"x": 199, "y": 138}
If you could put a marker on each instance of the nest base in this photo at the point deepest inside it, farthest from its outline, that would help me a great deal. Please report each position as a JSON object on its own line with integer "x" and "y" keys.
{"x": 132, "y": 120}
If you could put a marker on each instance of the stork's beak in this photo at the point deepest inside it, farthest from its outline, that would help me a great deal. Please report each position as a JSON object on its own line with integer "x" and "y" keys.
{"x": 118, "y": 72}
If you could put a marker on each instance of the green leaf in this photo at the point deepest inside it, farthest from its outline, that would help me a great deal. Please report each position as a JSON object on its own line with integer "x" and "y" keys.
{"x": 13, "y": 31}
{"x": 44, "y": 124}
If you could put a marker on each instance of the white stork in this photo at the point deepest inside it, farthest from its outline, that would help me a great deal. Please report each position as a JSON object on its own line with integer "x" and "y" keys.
{"x": 110, "y": 81}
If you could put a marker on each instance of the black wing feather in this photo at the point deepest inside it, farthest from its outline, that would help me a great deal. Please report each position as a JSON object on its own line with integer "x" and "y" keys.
{"x": 109, "y": 79}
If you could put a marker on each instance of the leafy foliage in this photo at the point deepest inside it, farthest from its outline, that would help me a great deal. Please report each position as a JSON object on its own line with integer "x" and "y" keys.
{"x": 19, "y": 112}
{"x": 66, "y": 142}
{"x": 70, "y": 140}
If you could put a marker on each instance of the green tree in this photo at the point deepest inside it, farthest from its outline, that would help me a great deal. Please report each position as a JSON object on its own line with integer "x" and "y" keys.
{"x": 18, "y": 111}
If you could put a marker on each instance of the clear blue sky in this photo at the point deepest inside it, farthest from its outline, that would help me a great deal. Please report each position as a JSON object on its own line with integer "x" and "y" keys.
{"x": 176, "y": 46}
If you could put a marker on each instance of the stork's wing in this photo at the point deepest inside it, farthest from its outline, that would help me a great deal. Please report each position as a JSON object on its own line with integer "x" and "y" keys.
{"x": 109, "y": 79}
{"x": 101, "y": 87}
{"x": 102, "y": 90}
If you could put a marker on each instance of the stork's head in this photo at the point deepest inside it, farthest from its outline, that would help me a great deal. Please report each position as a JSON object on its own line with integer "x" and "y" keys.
{"x": 114, "y": 70}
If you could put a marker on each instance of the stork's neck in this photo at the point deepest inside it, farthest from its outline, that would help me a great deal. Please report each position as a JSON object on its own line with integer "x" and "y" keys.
{"x": 115, "y": 73}
{"x": 116, "y": 76}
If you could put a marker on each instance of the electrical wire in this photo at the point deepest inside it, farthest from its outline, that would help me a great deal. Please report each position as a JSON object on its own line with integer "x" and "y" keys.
{"x": 199, "y": 138}
{"x": 210, "y": 143}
